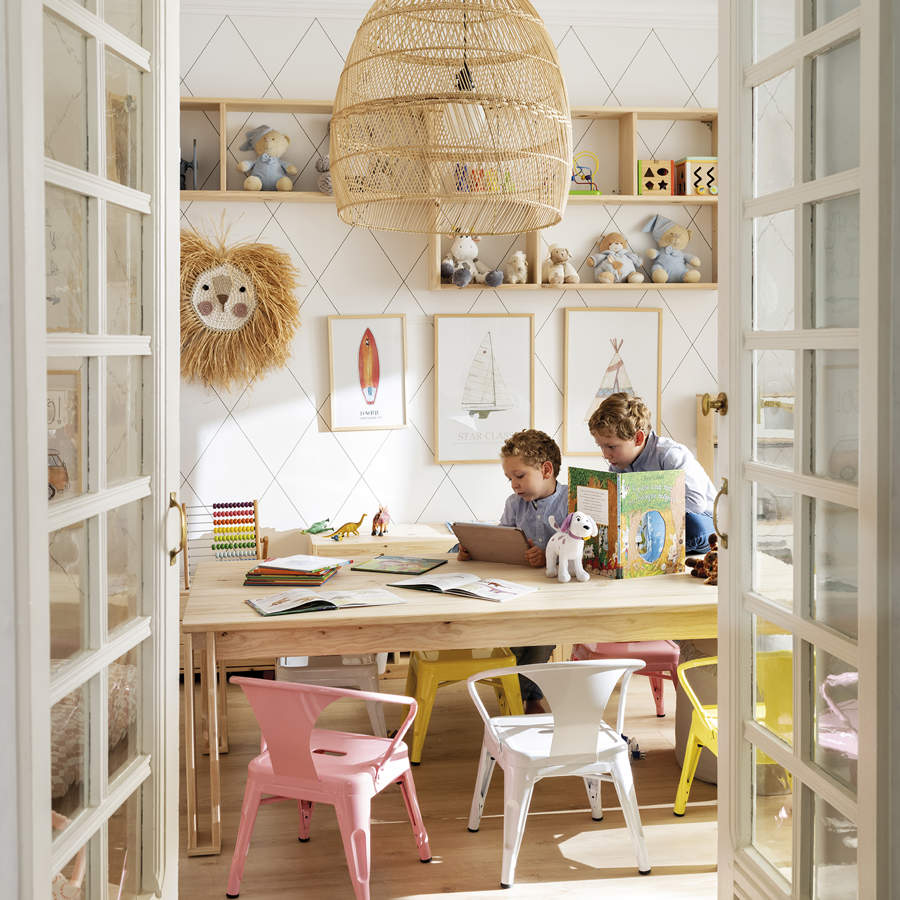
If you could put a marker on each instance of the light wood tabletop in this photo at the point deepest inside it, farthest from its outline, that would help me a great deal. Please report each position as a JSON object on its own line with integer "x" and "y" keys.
{"x": 218, "y": 620}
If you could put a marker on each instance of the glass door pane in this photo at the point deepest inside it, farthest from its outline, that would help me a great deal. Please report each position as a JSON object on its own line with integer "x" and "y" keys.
{"x": 834, "y": 80}
{"x": 65, "y": 93}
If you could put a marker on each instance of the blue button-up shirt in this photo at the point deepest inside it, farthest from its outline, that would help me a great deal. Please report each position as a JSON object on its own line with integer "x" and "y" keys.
{"x": 531, "y": 515}
{"x": 663, "y": 453}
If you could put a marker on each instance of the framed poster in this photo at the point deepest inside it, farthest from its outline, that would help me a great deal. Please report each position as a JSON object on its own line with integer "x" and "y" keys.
{"x": 367, "y": 371}
{"x": 483, "y": 384}
{"x": 608, "y": 350}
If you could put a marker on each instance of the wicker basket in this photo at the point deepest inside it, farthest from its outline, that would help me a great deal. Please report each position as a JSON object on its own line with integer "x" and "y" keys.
{"x": 451, "y": 116}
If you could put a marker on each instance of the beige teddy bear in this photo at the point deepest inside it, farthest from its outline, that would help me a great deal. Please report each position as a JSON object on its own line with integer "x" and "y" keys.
{"x": 670, "y": 262}
{"x": 267, "y": 172}
{"x": 515, "y": 270}
{"x": 557, "y": 269}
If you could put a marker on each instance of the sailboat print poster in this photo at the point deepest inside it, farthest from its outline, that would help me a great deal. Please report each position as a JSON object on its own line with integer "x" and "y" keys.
{"x": 368, "y": 356}
{"x": 607, "y": 351}
{"x": 483, "y": 384}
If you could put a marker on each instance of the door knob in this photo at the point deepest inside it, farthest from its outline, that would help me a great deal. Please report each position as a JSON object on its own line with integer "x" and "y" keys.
{"x": 722, "y": 537}
{"x": 720, "y": 404}
{"x": 174, "y": 504}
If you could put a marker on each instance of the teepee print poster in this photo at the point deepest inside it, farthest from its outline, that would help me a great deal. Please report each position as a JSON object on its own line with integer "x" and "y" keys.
{"x": 483, "y": 384}
{"x": 608, "y": 350}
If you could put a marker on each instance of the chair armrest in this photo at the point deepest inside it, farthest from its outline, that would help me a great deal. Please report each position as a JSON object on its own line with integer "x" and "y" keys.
{"x": 400, "y": 700}
{"x": 682, "y": 677}
{"x": 476, "y": 699}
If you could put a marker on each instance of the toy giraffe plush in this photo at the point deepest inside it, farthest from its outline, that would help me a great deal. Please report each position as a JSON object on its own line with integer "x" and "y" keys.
{"x": 345, "y": 529}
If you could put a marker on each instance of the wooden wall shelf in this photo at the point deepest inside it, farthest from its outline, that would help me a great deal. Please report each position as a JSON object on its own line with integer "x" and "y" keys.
{"x": 627, "y": 119}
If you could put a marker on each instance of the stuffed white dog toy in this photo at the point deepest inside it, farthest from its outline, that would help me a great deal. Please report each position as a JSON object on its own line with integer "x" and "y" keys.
{"x": 565, "y": 548}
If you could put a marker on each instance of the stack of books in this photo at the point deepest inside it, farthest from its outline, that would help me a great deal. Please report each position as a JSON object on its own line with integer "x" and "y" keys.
{"x": 295, "y": 571}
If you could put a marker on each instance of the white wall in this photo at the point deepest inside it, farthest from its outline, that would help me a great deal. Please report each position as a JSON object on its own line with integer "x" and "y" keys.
{"x": 270, "y": 439}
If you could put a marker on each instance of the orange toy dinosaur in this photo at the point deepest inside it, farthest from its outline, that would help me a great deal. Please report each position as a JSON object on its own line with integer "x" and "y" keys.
{"x": 347, "y": 528}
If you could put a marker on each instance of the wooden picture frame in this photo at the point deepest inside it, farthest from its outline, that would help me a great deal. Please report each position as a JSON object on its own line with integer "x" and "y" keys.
{"x": 65, "y": 440}
{"x": 367, "y": 372}
{"x": 483, "y": 384}
{"x": 608, "y": 349}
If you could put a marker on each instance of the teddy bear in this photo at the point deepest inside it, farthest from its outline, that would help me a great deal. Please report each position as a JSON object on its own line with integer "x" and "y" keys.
{"x": 708, "y": 566}
{"x": 670, "y": 263}
{"x": 557, "y": 269}
{"x": 267, "y": 172}
{"x": 614, "y": 261}
{"x": 515, "y": 270}
{"x": 461, "y": 263}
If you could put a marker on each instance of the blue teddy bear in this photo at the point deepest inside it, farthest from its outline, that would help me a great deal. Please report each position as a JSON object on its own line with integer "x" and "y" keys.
{"x": 670, "y": 263}
{"x": 267, "y": 172}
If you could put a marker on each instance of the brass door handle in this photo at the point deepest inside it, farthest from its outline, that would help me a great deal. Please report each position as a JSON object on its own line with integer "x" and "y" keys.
{"x": 720, "y": 404}
{"x": 722, "y": 537}
{"x": 174, "y": 504}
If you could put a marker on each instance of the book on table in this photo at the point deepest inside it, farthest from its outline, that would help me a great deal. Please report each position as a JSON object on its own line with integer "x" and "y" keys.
{"x": 398, "y": 565}
{"x": 295, "y": 571}
{"x": 466, "y": 585}
{"x": 301, "y": 600}
{"x": 640, "y": 520}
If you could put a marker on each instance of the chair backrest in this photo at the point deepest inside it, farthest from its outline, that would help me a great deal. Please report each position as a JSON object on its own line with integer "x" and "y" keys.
{"x": 578, "y": 693}
{"x": 287, "y": 713}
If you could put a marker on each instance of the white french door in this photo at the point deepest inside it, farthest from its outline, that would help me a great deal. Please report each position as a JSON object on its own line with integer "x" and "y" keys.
{"x": 93, "y": 95}
{"x": 804, "y": 714}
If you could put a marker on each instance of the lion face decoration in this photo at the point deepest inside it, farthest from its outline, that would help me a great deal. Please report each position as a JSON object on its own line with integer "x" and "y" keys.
{"x": 224, "y": 298}
{"x": 238, "y": 310}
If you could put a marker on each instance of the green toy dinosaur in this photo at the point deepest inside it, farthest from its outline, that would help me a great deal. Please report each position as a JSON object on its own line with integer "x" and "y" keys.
{"x": 317, "y": 527}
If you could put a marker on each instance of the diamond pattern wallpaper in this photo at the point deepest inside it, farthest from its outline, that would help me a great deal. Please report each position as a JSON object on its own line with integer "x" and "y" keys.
{"x": 270, "y": 438}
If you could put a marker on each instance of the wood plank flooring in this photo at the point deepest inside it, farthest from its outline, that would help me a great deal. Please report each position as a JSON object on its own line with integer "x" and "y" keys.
{"x": 564, "y": 853}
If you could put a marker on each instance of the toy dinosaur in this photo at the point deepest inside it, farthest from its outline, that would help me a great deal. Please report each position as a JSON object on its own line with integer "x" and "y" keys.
{"x": 380, "y": 521}
{"x": 317, "y": 527}
{"x": 345, "y": 529}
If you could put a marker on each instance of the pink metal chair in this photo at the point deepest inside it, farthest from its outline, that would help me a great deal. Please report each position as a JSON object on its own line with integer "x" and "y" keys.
{"x": 660, "y": 659}
{"x": 311, "y": 765}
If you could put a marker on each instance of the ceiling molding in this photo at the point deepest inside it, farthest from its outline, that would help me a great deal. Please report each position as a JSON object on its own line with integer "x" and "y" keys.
{"x": 689, "y": 14}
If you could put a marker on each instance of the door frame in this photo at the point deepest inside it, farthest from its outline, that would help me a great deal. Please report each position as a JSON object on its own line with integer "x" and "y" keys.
{"x": 27, "y": 815}
{"x": 876, "y": 802}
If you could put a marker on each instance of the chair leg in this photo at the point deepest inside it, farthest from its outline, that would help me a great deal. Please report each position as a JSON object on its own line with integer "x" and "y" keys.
{"x": 305, "y": 808}
{"x": 411, "y": 676}
{"x": 592, "y": 785}
{"x": 426, "y": 688}
{"x": 517, "y": 790}
{"x": 509, "y": 696}
{"x": 353, "y": 814}
{"x": 482, "y": 783}
{"x": 621, "y": 772}
{"x": 249, "y": 808}
{"x": 688, "y": 768}
{"x": 376, "y": 719}
{"x": 656, "y": 685}
{"x": 411, "y": 801}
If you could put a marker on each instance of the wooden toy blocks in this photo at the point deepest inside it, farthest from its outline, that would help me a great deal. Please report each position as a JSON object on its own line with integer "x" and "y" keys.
{"x": 697, "y": 175}
{"x": 655, "y": 177}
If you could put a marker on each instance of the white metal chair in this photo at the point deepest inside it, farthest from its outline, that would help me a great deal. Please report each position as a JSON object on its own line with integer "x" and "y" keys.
{"x": 572, "y": 740}
{"x": 360, "y": 672}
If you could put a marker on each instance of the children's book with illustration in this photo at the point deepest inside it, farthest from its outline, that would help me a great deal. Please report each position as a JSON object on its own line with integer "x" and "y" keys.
{"x": 640, "y": 520}
{"x": 466, "y": 585}
{"x": 294, "y": 571}
{"x": 398, "y": 565}
{"x": 301, "y": 600}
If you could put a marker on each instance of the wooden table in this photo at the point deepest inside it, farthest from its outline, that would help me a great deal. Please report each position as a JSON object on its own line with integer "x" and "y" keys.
{"x": 218, "y": 621}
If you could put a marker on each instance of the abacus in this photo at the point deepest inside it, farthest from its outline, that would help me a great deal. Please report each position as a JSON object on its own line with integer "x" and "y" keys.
{"x": 227, "y": 530}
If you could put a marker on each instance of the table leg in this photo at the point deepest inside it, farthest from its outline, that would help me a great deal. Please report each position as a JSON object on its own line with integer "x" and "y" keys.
{"x": 223, "y": 709}
{"x": 208, "y": 684}
{"x": 190, "y": 747}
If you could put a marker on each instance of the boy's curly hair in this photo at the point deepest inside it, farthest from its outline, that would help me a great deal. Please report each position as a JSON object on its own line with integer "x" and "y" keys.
{"x": 622, "y": 415}
{"x": 534, "y": 447}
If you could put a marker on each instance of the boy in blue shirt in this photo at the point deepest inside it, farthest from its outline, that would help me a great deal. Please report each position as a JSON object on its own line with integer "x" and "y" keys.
{"x": 531, "y": 461}
{"x": 621, "y": 427}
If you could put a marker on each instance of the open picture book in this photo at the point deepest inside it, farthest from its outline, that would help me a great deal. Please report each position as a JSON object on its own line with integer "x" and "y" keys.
{"x": 466, "y": 585}
{"x": 300, "y": 600}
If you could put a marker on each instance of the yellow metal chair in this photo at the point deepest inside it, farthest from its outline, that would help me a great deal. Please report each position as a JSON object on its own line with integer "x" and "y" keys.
{"x": 432, "y": 669}
{"x": 775, "y": 681}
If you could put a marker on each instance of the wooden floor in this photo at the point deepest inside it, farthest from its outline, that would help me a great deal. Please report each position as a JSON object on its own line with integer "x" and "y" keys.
{"x": 564, "y": 853}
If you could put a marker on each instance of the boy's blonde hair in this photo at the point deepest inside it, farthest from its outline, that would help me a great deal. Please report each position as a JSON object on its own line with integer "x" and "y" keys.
{"x": 534, "y": 447}
{"x": 622, "y": 415}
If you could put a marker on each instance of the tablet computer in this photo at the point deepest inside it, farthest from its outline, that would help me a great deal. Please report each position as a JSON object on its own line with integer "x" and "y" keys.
{"x": 492, "y": 543}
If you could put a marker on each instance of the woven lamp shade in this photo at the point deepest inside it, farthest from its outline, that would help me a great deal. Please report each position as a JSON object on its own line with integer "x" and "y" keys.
{"x": 451, "y": 116}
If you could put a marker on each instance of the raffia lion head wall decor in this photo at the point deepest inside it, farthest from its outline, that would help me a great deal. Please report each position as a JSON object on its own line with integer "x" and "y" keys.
{"x": 238, "y": 309}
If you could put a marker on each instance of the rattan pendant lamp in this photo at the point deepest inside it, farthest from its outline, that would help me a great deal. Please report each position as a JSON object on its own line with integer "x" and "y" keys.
{"x": 451, "y": 116}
